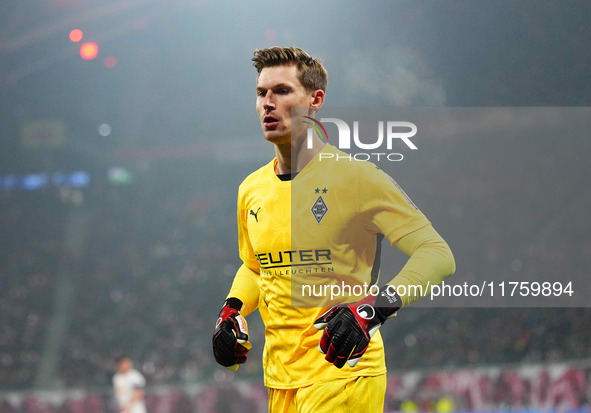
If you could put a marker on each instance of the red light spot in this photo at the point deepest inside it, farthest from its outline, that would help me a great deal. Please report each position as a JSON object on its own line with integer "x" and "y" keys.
{"x": 88, "y": 51}
{"x": 76, "y": 35}
{"x": 110, "y": 62}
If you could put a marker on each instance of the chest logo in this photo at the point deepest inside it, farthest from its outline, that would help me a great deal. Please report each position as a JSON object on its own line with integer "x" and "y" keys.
{"x": 319, "y": 209}
{"x": 255, "y": 214}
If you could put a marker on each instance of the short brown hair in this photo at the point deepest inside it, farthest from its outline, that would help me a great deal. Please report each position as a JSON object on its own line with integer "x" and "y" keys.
{"x": 311, "y": 73}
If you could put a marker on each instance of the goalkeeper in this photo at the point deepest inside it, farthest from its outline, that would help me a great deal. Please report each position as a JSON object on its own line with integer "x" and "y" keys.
{"x": 328, "y": 359}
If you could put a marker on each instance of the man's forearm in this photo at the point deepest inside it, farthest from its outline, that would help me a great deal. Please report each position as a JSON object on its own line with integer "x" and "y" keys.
{"x": 246, "y": 288}
{"x": 430, "y": 262}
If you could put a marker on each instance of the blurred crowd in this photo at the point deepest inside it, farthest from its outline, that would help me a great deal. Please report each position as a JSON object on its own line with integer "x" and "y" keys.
{"x": 529, "y": 387}
{"x": 29, "y": 265}
{"x": 159, "y": 265}
{"x": 221, "y": 398}
{"x": 160, "y": 254}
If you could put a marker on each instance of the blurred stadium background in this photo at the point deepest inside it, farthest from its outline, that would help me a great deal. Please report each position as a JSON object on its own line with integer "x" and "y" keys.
{"x": 120, "y": 161}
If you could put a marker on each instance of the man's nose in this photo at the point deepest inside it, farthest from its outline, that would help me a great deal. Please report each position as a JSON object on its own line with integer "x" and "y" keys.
{"x": 269, "y": 101}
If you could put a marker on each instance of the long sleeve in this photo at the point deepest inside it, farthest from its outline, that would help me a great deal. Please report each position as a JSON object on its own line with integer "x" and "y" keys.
{"x": 431, "y": 261}
{"x": 246, "y": 288}
{"x": 246, "y": 282}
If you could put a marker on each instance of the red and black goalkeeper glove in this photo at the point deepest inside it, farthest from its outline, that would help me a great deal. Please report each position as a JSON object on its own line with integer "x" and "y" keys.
{"x": 348, "y": 328}
{"x": 230, "y": 337}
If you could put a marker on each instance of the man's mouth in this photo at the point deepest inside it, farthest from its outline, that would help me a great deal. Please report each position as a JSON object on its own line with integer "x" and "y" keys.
{"x": 270, "y": 121}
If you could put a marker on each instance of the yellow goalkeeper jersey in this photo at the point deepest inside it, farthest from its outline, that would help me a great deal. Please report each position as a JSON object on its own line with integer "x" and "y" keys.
{"x": 324, "y": 227}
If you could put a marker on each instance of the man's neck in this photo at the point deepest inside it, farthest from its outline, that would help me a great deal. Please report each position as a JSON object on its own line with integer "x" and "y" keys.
{"x": 292, "y": 158}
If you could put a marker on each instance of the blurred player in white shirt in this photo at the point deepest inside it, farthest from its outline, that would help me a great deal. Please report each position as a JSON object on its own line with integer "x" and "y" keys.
{"x": 129, "y": 387}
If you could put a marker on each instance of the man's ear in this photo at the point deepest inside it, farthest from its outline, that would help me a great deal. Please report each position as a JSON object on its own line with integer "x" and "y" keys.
{"x": 317, "y": 99}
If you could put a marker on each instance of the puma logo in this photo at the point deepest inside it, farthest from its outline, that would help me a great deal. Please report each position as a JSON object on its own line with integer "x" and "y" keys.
{"x": 255, "y": 214}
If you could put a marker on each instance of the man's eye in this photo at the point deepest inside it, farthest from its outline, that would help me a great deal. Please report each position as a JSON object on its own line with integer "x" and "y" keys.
{"x": 282, "y": 92}
{"x": 261, "y": 93}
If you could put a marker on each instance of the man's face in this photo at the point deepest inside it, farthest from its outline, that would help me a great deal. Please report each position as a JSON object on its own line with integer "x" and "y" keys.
{"x": 124, "y": 365}
{"x": 278, "y": 90}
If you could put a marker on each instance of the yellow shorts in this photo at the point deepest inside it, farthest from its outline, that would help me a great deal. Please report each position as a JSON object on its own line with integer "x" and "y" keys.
{"x": 350, "y": 395}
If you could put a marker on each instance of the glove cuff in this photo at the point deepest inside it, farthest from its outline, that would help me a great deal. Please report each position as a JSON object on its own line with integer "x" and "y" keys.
{"x": 387, "y": 303}
{"x": 234, "y": 303}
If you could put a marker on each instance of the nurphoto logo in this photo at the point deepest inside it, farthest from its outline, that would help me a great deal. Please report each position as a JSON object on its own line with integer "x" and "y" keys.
{"x": 388, "y": 131}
